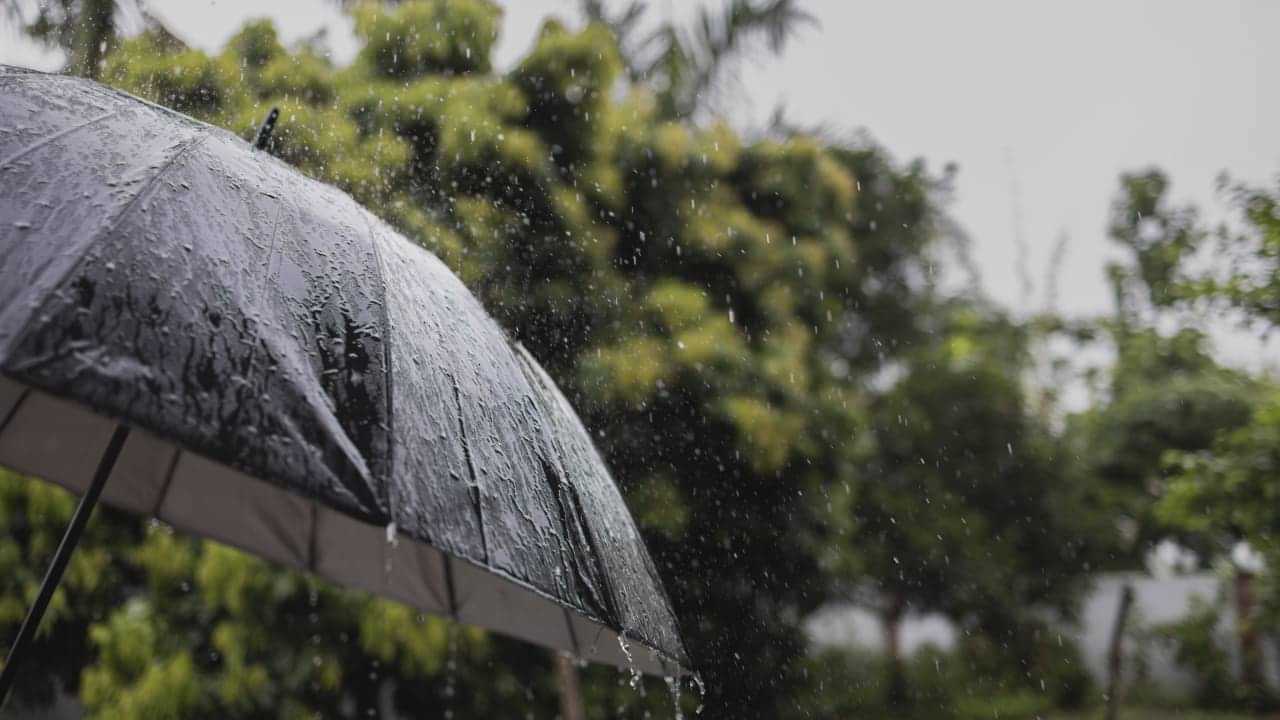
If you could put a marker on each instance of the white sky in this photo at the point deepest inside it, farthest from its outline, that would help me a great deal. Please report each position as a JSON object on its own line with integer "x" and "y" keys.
{"x": 1041, "y": 104}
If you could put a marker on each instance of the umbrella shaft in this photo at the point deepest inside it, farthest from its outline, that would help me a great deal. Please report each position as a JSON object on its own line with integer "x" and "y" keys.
{"x": 68, "y": 545}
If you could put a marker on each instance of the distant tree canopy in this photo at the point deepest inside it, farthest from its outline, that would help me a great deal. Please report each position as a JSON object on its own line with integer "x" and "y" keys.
{"x": 1230, "y": 489}
{"x": 1243, "y": 275}
{"x": 1210, "y": 434}
{"x": 1224, "y": 488}
{"x": 1166, "y": 394}
{"x": 959, "y": 499}
{"x": 1249, "y": 279}
{"x": 970, "y": 512}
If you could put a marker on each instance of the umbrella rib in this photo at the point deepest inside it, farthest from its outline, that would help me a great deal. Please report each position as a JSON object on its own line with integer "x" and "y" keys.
{"x": 471, "y": 470}
{"x": 450, "y": 590}
{"x": 311, "y": 539}
{"x": 386, "y": 361}
{"x": 13, "y": 411}
{"x": 45, "y": 141}
{"x": 272, "y": 256}
{"x": 61, "y": 556}
{"x": 573, "y": 636}
{"x": 168, "y": 480}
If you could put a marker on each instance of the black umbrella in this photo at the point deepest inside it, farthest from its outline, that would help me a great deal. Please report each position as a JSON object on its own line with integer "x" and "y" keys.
{"x": 248, "y": 355}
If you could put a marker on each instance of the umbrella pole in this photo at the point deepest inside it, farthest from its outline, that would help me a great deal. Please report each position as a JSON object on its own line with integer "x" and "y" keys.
{"x": 68, "y": 545}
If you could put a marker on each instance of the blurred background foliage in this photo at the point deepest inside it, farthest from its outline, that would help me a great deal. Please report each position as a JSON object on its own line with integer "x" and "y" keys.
{"x": 795, "y": 409}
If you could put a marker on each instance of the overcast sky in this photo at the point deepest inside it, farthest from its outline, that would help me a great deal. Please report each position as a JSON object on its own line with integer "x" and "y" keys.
{"x": 1040, "y": 104}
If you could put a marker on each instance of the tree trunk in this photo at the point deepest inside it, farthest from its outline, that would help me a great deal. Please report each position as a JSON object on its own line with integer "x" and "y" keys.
{"x": 570, "y": 691}
{"x": 1250, "y": 647}
{"x": 897, "y": 690}
{"x": 1115, "y": 653}
{"x": 97, "y": 29}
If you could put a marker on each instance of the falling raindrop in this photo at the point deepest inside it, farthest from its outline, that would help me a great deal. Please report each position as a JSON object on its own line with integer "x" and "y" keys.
{"x": 451, "y": 669}
{"x": 673, "y": 686}
{"x": 631, "y": 663}
{"x": 393, "y": 542}
{"x": 702, "y": 693}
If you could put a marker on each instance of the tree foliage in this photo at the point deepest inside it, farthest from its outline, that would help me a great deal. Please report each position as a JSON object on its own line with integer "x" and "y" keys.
{"x": 687, "y": 66}
{"x": 1165, "y": 391}
{"x": 1230, "y": 490}
{"x": 1168, "y": 244}
{"x": 1249, "y": 279}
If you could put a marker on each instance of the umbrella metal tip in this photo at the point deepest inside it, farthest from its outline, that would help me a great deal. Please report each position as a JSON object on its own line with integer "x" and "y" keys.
{"x": 264, "y": 132}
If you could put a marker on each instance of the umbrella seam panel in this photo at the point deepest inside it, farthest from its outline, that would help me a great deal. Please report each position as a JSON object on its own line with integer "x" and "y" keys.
{"x": 18, "y": 337}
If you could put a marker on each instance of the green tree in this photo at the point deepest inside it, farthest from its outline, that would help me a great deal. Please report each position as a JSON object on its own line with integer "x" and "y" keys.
{"x": 1166, "y": 394}
{"x": 1243, "y": 271}
{"x": 1220, "y": 488}
{"x": 1248, "y": 277}
{"x": 966, "y": 506}
{"x": 1167, "y": 401}
{"x": 1158, "y": 239}
{"x": 1165, "y": 391}
{"x": 1228, "y": 492}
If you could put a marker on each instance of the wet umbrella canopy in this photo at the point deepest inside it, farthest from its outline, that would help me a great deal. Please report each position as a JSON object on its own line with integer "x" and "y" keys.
{"x": 296, "y": 379}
